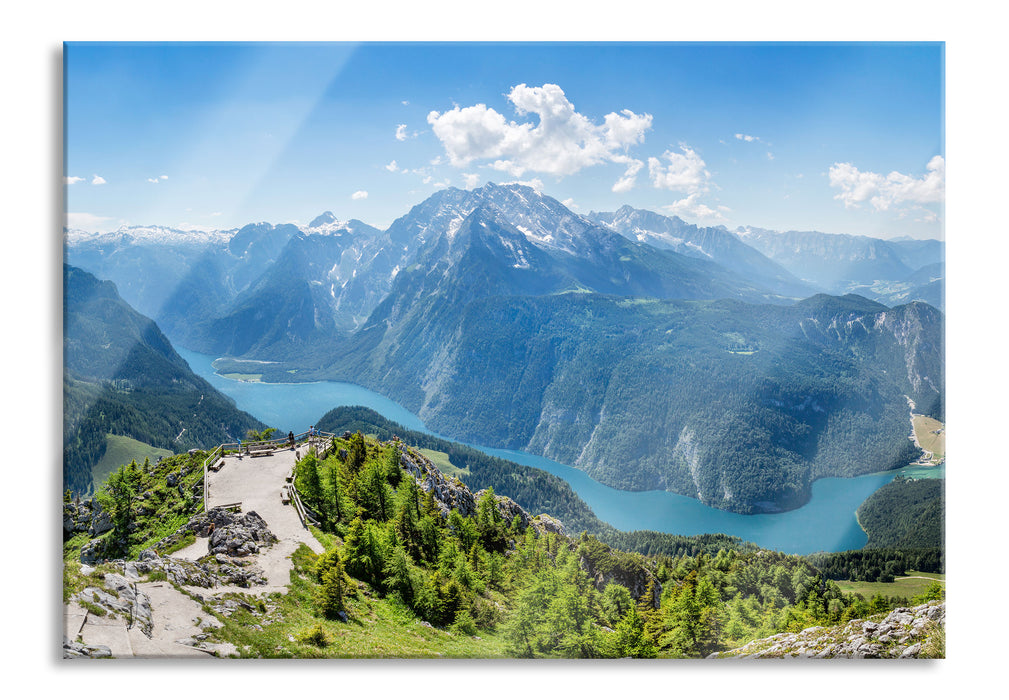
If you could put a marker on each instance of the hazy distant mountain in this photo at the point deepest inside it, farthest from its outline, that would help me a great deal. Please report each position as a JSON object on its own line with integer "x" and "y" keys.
{"x": 841, "y": 264}
{"x": 308, "y": 294}
{"x": 707, "y": 243}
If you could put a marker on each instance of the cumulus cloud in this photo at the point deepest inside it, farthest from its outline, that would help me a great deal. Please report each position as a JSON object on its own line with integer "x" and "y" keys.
{"x": 561, "y": 143}
{"x": 401, "y": 132}
{"x": 360, "y": 194}
{"x": 630, "y": 176}
{"x": 690, "y": 206}
{"x": 886, "y": 191}
{"x": 535, "y": 183}
{"x": 471, "y": 180}
{"x": 98, "y": 180}
{"x": 72, "y": 180}
{"x": 392, "y": 167}
{"x": 685, "y": 171}
{"x": 157, "y": 179}
{"x": 747, "y": 137}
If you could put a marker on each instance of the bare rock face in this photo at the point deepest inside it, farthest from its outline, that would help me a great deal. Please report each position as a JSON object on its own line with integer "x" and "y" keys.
{"x": 448, "y": 492}
{"x": 903, "y": 634}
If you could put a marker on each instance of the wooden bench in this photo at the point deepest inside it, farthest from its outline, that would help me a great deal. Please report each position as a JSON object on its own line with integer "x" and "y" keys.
{"x": 285, "y": 496}
{"x": 261, "y": 452}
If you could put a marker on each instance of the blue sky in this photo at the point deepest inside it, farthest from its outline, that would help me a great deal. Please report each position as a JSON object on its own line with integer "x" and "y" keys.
{"x": 842, "y": 138}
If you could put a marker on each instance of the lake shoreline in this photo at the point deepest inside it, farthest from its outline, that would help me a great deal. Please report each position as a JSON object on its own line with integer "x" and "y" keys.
{"x": 827, "y": 521}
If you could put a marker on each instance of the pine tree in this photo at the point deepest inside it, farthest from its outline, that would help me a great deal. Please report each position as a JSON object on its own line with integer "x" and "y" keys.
{"x": 117, "y": 497}
{"x": 357, "y": 454}
{"x": 406, "y": 521}
{"x": 334, "y": 585}
{"x": 307, "y": 478}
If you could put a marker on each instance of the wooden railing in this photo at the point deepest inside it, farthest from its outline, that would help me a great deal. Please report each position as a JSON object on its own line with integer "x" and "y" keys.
{"x": 258, "y": 448}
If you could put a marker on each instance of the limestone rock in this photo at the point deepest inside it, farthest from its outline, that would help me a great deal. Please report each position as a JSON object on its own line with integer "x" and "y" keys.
{"x": 900, "y": 635}
{"x": 77, "y": 650}
{"x": 245, "y": 534}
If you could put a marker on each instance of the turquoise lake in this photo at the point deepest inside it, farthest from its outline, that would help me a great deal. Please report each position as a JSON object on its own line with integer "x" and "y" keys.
{"x": 827, "y": 523}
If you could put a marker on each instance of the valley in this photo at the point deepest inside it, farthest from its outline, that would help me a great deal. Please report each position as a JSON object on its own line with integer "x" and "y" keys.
{"x": 826, "y": 523}
{"x": 649, "y": 353}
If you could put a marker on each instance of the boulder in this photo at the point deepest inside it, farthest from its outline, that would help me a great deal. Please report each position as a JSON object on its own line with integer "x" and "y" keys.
{"x": 243, "y": 535}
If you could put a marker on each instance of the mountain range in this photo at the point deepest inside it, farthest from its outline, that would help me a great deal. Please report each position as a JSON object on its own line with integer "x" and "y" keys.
{"x": 735, "y": 367}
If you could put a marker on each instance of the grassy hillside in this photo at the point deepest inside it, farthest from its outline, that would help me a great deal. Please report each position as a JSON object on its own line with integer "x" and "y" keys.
{"x": 120, "y": 450}
{"x": 910, "y": 585}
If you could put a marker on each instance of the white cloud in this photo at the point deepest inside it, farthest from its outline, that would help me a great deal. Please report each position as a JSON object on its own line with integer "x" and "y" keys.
{"x": 535, "y": 183}
{"x": 686, "y": 171}
{"x": 471, "y": 180}
{"x": 98, "y": 180}
{"x": 73, "y": 180}
{"x": 401, "y": 132}
{"x": 360, "y": 194}
{"x": 392, "y": 167}
{"x": 883, "y": 192}
{"x": 563, "y": 141}
{"x": 630, "y": 176}
{"x": 90, "y": 222}
{"x": 747, "y": 137}
{"x": 690, "y": 206}
{"x": 158, "y": 179}
{"x": 570, "y": 203}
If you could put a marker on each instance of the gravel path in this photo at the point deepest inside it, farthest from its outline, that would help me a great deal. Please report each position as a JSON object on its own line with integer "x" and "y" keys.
{"x": 256, "y": 483}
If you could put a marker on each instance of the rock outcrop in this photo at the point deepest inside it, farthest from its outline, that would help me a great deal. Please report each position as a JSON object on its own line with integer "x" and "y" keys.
{"x": 905, "y": 633}
{"x": 120, "y": 597}
{"x": 450, "y": 493}
{"x": 221, "y": 570}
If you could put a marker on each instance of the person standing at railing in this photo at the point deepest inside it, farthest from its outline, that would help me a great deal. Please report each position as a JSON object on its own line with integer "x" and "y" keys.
{"x": 290, "y": 439}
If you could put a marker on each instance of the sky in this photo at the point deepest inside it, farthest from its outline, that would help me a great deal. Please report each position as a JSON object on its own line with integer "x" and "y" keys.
{"x": 834, "y": 137}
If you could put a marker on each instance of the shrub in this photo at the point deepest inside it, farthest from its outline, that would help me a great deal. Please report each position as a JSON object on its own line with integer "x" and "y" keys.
{"x": 315, "y": 636}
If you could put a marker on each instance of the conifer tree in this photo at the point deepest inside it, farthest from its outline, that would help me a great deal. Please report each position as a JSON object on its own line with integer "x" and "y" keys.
{"x": 117, "y": 497}
{"x": 334, "y": 584}
{"x": 406, "y": 521}
{"x": 307, "y": 478}
{"x": 358, "y": 453}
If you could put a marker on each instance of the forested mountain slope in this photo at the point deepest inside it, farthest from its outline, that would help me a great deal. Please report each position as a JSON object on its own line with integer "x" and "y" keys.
{"x": 740, "y": 405}
{"x": 122, "y": 376}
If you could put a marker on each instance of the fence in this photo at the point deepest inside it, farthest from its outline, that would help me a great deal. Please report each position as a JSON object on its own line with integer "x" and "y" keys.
{"x": 257, "y": 448}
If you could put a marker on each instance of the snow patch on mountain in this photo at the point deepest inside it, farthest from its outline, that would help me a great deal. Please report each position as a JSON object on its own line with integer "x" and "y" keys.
{"x": 150, "y": 234}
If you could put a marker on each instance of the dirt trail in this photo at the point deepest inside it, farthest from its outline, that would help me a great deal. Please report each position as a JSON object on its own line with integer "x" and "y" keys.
{"x": 256, "y": 483}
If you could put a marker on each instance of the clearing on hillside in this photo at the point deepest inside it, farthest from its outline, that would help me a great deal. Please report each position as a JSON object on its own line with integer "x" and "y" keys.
{"x": 931, "y": 435}
{"x": 120, "y": 450}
